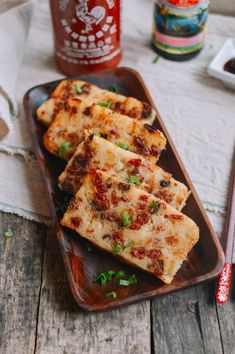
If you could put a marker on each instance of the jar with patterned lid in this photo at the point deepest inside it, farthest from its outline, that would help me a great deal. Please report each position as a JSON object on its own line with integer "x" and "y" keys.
{"x": 179, "y": 28}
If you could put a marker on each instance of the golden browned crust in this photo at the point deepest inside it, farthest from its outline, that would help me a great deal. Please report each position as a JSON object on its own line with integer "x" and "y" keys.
{"x": 76, "y": 116}
{"x": 66, "y": 89}
{"x": 97, "y": 152}
{"x": 138, "y": 227}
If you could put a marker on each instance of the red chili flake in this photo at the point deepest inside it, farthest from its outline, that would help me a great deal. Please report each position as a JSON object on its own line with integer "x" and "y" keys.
{"x": 142, "y": 149}
{"x": 76, "y": 221}
{"x": 66, "y": 106}
{"x": 139, "y": 253}
{"x": 101, "y": 201}
{"x": 155, "y": 150}
{"x": 87, "y": 111}
{"x": 135, "y": 226}
{"x": 162, "y": 205}
{"x": 73, "y": 110}
{"x": 114, "y": 197}
{"x": 147, "y": 110}
{"x": 158, "y": 266}
{"x": 150, "y": 128}
{"x": 142, "y": 218}
{"x": 86, "y": 88}
{"x": 124, "y": 199}
{"x": 111, "y": 216}
{"x": 174, "y": 217}
{"x": 115, "y": 132}
{"x": 92, "y": 172}
{"x": 139, "y": 142}
{"x": 154, "y": 254}
{"x": 172, "y": 240}
{"x": 73, "y": 139}
{"x": 117, "y": 105}
{"x": 144, "y": 197}
{"x": 123, "y": 186}
{"x": 141, "y": 206}
{"x": 100, "y": 187}
{"x": 135, "y": 162}
{"x": 117, "y": 237}
{"x": 135, "y": 172}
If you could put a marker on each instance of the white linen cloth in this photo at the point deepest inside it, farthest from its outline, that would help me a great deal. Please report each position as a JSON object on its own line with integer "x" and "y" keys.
{"x": 14, "y": 25}
{"x": 197, "y": 110}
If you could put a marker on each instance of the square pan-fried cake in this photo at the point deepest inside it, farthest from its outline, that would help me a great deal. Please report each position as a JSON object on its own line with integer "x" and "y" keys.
{"x": 66, "y": 89}
{"x": 97, "y": 152}
{"x": 67, "y": 130}
{"x": 140, "y": 229}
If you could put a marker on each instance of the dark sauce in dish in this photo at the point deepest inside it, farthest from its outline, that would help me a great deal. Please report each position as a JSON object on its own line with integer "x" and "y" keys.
{"x": 230, "y": 66}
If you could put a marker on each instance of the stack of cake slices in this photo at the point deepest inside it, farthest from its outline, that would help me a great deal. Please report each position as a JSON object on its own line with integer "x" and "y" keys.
{"x": 123, "y": 202}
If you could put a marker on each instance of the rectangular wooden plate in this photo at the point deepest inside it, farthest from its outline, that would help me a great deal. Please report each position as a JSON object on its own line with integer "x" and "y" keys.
{"x": 206, "y": 259}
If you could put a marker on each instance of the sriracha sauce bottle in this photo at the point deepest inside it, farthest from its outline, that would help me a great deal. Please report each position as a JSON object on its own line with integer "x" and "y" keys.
{"x": 86, "y": 35}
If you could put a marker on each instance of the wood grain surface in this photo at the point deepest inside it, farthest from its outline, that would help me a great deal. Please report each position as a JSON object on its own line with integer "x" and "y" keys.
{"x": 38, "y": 314}
{"x": 21, "y": 258}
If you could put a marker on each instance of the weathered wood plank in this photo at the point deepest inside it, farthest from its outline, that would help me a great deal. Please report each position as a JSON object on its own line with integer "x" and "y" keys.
{"x": 63, "y": 328}
{"x": 184, "y": 322}
{"x": 20, "y": 280}
{"x": 226, "y": 315}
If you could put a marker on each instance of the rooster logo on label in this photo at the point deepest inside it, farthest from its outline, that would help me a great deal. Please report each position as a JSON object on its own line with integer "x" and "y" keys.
{"x": 94, "y": 16}
{"x": 91, "y": 31}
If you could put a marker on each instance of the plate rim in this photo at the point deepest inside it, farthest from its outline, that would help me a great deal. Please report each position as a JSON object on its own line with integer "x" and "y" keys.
{"x": 114, "y": 304}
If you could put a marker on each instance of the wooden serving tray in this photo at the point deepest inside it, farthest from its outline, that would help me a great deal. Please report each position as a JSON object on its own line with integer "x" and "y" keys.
{"x": 206, "y": 259}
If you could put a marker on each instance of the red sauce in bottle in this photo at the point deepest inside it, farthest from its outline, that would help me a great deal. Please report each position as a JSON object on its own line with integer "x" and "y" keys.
{"x": 86, "y": 35}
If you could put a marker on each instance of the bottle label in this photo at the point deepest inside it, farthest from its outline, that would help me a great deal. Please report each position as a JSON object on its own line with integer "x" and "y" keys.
{"x": 92, "y": 34}
{"x": 178, "y": 30}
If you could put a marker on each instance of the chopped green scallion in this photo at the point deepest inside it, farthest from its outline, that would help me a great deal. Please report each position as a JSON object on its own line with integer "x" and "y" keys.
{"x": 119, "y": 274}
{"x": 113, "y": 88}
{"x": 124, "y": 282}
{"x": 154, "y": 206}
{"x": 117, "y": 248}
{"x": 106, "y": 104}
{"x": 134, "y": 180}
{"x": 101, "y": 278}
{"x": 111, "y": 294}
{"x": 132, "y": 279}
{"x": 155, "y": 59}
{"x": 124, "y": 146}
{"x": 9, "y": 233}
{"x": 126, "y": 219}
{"x": 63, "y": 149}
{"x": 77, "y": 89}
{"x": 110, "y": 275}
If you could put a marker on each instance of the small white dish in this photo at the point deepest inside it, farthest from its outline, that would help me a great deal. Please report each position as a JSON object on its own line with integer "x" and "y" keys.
{"x": 216, "y": 67}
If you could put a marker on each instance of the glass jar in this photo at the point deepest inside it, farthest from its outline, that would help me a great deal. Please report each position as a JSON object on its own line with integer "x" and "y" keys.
{"x": 179, "y": 28}
{"x": 86, "y": 35}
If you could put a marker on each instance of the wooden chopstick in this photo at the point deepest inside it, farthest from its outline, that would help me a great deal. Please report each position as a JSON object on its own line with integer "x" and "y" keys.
{"x": 225, "y": 279}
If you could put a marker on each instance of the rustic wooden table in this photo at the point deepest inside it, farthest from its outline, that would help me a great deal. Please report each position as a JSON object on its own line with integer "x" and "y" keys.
{"x": 38, "y": 314}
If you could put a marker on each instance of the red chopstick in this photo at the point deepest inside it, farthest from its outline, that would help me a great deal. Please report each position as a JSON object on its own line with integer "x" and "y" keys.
{"x": 225, "y": 279}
